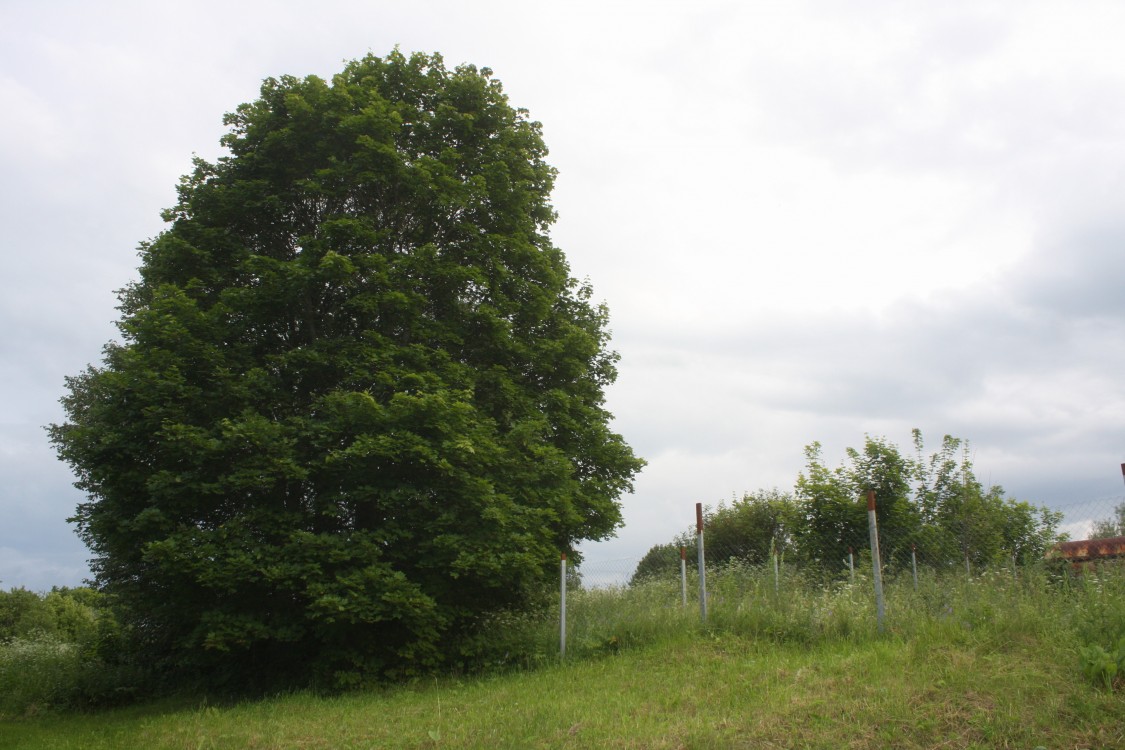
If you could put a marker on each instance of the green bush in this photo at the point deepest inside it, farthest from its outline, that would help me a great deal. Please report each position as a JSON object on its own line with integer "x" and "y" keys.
{"x": 38, "y": 672}
{"x": 1103, "y": 667}
{"x": 64, "y": 649}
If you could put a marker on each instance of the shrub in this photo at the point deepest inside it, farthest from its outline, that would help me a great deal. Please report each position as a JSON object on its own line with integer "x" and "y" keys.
{"x": 38, "y": 672}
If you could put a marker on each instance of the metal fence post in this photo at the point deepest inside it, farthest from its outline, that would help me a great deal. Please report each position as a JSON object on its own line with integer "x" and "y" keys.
{"x": 876, "y": 564}
{"x": 702, "y": 565}
{"x": 683, "y": 574}
{"x": 776, "y": 575}
{"x": 851, "y": 564}
{"x": 914, "y": 564}
{"x": 562, "y": 607}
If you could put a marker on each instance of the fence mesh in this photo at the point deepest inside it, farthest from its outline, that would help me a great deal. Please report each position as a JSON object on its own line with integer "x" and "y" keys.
{"x": 839, "y": 548}
{"x": 767, "y": 582}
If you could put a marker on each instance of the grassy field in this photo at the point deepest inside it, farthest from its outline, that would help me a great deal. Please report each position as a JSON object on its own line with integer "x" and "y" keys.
{"x": 991, "y": 663}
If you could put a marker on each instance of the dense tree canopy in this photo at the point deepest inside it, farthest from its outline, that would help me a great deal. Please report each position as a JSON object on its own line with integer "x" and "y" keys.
{"x": 933, "y": 504}
{"x": 358, "y": 398}
{"x": 750, "y": 529}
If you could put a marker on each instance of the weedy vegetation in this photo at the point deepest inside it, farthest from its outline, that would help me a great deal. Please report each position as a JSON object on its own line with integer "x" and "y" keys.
{"x": 1007, "y": 658}
{"x": 1105, "y": 667}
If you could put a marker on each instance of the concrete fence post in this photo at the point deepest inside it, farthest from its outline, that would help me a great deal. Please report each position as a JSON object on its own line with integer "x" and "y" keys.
{"x": 914, "y": 564}
{"x": 876, "y": 563}
{"x": 562, "y": 607}
{"x": 702, "y": 565}
{"x": 683, "y": 574}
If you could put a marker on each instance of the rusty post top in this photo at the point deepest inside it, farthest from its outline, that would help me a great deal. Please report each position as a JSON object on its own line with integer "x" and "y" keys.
{"x": 849, "y": 550}
{"x": 699, "y": 517}
{"x": 1123, "y": 470}
{"x": 683, "y": 553}
{"x": 871, "y": 499}
{"x": 564, "y": 557}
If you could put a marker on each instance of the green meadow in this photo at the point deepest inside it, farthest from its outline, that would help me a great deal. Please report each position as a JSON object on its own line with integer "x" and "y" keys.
{"x": 1001, "y": 660}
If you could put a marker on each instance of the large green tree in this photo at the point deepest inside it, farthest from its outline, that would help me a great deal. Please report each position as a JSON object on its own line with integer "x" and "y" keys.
{"x": 358, "y": 397}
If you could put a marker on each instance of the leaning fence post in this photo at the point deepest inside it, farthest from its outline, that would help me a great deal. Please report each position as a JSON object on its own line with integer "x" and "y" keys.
{"x": 876, "y": 564}
{"x": 562, "y": 607}
{"x": 914, "y": 564}
{"x": 702, "y": 566}
{"x": 683, "y": 574}
{"x": 851, "y": 564}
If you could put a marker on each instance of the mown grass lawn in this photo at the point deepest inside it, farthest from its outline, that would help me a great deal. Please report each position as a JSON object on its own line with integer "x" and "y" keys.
{"x": 712, "y": 691}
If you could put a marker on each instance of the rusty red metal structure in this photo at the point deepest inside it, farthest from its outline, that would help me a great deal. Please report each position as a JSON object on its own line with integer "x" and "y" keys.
{"x": 1086, "y": 551}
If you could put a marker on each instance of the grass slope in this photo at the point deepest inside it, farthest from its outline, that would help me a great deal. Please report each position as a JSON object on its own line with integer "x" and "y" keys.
{"x": 988, "y": 662}
{"x": 721, "y": 691}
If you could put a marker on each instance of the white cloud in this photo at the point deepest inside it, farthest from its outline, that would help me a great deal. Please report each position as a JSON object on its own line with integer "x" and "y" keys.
{"x": 810, "y": 222}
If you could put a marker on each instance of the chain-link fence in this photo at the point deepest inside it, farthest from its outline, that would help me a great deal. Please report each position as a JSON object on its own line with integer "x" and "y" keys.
{"x": 772, "y": 557}
{"x": 970, "y": 544}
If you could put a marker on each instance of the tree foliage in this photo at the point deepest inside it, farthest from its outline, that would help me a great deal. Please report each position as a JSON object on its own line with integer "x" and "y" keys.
{"x": 932, "y": 504}
{"x": 1107, "y": 528}
{"x": 750, "y": 529}
{"x": 71, "y": 614}
{"x": 358, "y": 399}
{"x": 661, "y": 560}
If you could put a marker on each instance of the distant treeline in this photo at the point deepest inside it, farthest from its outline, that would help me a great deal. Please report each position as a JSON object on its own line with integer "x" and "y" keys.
{"x": 63, "y": 649}
{"x": 931, "y": 504}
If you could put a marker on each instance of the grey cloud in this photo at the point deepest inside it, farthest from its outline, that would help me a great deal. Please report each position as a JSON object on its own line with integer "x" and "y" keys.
{"x": 676, "y": 143}
{"x": 1080, "y": 273}
{"x": 37, "y": 547}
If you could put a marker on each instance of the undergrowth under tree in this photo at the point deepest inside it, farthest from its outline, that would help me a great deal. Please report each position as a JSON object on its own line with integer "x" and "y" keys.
{"x": 358, "y": 397}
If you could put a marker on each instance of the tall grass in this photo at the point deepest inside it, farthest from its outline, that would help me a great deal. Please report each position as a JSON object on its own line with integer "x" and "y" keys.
{"x": 46, "y": 672}
{"x": 991, "y": 612}
{"x": 981, "y": 662}
{"x": 991, "y": 607}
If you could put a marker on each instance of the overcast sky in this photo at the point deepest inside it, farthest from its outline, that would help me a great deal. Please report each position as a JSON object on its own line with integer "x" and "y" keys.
{"x": 810, "y": 221}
